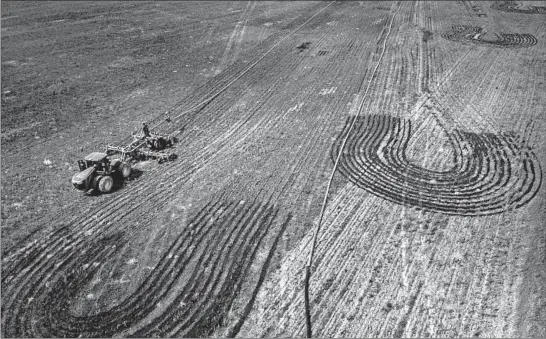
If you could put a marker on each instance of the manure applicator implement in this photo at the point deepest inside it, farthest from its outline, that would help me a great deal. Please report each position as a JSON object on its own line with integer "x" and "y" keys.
{"x": 146, "y": 145}
{"x": 100, "y": 170}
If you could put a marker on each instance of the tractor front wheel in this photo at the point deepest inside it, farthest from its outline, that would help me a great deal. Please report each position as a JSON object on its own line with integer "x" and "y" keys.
{"x": 106, "y": 183}
{"x": 125, "y": 169}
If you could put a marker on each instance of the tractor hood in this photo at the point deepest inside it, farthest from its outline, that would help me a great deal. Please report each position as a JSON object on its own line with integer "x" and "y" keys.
{"x": 79, "y": 178}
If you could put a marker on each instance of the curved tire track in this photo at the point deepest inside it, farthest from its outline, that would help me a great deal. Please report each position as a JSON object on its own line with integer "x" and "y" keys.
{"x": 510, "y": 6}
{"x": 481, "y": 180}
{"x": 472, "y": 34}
{"x": 212, "y": 256}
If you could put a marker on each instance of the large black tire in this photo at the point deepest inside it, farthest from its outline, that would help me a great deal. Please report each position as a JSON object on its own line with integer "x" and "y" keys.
{"x": 106, "y": 183}
{"x": 96, "y": 181}
{"x": 125, "y": 169}
{"x": 160, "y": 144}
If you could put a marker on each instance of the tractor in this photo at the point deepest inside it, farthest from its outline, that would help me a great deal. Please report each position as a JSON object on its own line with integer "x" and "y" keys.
{"x": 98, "y": 172}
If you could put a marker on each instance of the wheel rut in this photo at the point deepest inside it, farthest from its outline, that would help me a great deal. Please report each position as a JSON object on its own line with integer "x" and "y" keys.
{"x": 512, "y": 6}
{"x": 480, "y": 181}
{"x": 207, "y": 263}
{"x": 473, "y": 35}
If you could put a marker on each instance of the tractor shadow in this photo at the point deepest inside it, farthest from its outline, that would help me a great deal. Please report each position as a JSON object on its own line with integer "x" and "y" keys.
{"x": 135, "y": 174}
{"x": 119, "y": 182}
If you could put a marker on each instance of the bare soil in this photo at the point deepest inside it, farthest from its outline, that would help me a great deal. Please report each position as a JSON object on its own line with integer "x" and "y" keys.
{"x": 434, "y": 225}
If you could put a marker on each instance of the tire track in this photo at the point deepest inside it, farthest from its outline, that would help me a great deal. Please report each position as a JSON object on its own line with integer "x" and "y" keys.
{"x": 487, "y": 83}
{"x": 336, "y": 162}
{"x": 234, "y": 43}
{"x": 210, "y": 97}
{"x": 211, "y": 255}
{"x": 472, "y": 34}
{"x": 480, "y": 181}
{"x": 512, "y": 6}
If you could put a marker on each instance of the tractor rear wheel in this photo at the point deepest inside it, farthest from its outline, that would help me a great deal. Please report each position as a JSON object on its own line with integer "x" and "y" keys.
{"x": 106, "y": 183}
{"x": 125, "y": 169}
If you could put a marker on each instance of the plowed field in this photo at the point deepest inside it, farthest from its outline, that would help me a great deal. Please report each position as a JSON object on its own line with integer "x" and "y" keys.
{"x": 434, "y": 219}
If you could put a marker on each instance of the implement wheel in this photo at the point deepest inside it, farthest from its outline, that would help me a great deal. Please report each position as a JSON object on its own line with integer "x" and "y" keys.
{"x": 160, "y": 144}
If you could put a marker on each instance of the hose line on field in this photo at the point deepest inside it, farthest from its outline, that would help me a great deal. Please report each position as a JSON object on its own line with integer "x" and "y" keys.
{"x": 308, "y": 324}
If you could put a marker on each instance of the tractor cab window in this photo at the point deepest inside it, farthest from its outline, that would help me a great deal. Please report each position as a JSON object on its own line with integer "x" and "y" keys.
{"x": 82, "y": 165}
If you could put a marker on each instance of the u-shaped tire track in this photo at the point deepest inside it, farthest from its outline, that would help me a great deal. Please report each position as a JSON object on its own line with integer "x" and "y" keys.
{"x": 219, "y": 244}
{"x": 471, "y": 34}
{"x": 510, "y": 6}
{"x": 29, "y": 275}
{"x": 481, "y": 180}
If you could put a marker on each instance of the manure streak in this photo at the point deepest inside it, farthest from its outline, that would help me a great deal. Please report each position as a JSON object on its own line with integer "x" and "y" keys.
{"x": 511, "y": 6}
{"x": 472, "y": 34}
{"x": 205, "y": 266}
{"x": 490, "y": 173}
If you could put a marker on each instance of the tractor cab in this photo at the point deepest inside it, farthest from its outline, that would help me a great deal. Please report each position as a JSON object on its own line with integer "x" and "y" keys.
{"x": 98, "y": 160}
{"x": 98, "y": 173}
